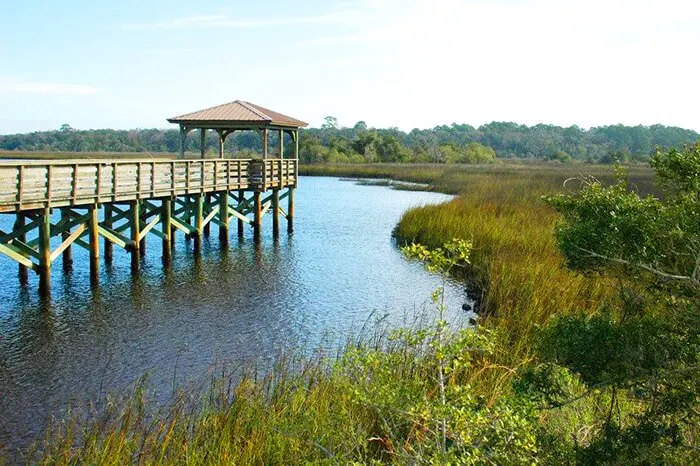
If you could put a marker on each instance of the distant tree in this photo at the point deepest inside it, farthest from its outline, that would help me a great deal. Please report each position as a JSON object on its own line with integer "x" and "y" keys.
{"x": 331, "y": 122}
{"x": 65, "y": 127}
{"x": 360, "y": 126}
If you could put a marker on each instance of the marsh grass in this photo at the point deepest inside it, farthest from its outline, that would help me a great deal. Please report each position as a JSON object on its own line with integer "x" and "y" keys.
{"x": 370, "y": 402}
{"x": 517, "y": 274}
{"x": 350, "y": 408}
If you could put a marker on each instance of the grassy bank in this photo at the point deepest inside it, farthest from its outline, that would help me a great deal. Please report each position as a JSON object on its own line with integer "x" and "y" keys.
{"x": 517, "y": 273}
{"x": 376, "y": 401}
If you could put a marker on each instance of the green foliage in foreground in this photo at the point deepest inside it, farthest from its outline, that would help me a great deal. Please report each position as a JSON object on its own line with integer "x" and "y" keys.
{"x": 405, "y": 398}
{"x": 646, "y": 349}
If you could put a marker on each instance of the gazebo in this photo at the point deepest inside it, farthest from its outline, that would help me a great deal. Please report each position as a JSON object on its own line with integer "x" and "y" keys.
{"x": 239, "y": 115}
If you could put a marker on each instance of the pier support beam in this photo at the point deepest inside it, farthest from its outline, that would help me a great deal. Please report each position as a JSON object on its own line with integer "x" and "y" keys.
{"x": 198, "y": 221}
{"x": 142, "y": 222}
{"x": 241, "y": 200}
{"x": 108, "y": 223}
{"x": 44, "y": 252}
{"x": 67, "y": 255}
{"x": 207, "y": 227}
{"x": 135, "y": 227}
{"x": 257, "y": 221}
{"x": 167, "y": 229}
{"x": 93, "y": 223}
{"x": 223, "y": 217}
{"x": 276, "y": 211}
{"x": 23, "y": 271}
{"x": 290, "y": 210}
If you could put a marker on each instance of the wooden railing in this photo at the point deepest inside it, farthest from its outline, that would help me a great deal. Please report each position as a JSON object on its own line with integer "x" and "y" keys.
{"x": 26, "y": 185}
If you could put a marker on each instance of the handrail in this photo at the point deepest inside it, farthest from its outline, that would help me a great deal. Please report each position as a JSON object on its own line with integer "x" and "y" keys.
{"x": 26, "y": 185}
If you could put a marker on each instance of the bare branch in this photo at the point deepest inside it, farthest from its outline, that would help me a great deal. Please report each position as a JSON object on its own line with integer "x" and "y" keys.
{"x": 693, "y": 279}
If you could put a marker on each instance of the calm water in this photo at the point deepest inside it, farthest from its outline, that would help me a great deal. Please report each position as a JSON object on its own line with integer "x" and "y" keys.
{"x": 339, "y": 270}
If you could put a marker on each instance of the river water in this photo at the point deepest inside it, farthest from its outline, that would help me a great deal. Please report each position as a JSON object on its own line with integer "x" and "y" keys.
{"x": 338, "y": 272}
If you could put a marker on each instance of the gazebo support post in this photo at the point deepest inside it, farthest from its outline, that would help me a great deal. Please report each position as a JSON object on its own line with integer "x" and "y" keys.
{"x": 183, "y": 136}
{"x": 290, "y": 197}
{"x": 264, "y": 143}
{"x": 222, "y": 139}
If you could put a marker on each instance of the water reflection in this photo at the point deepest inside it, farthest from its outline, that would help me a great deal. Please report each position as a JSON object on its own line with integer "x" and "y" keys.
{"x": 244, "y": 302}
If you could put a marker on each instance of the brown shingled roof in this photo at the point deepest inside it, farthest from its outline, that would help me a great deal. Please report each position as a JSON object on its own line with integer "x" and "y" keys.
{"x": 238, "y": 112}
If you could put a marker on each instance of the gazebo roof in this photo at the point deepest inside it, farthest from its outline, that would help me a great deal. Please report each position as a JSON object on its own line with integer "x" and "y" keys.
{"x": 237, "y": 114}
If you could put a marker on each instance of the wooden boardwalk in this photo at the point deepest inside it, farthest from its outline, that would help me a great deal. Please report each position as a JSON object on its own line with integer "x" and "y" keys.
{"x": 26, "y": 185}
{"x": 124, "y": 201}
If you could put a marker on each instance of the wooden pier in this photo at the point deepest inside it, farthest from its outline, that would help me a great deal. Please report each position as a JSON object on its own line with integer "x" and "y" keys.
{"x": 123, "y": 202}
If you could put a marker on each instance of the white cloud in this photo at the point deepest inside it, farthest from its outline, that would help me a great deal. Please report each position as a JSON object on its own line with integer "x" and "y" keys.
{"x": 562, "y": 62}
{"x": 13, "y": 85}
{"x": 227, "y": 22}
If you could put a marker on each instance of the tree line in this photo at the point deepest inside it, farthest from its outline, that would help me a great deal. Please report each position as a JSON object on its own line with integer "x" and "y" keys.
{"x": 456, "y": 143}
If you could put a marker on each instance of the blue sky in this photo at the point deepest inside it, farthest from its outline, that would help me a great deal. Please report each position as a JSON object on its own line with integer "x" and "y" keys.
{"x": 411, "y": 63}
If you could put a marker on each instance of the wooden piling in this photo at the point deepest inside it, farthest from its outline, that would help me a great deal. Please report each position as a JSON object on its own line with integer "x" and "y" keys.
{"x": 276, "y": 212}
{"x": 223, "y": 217}
{"x": 142, "y": 222}
{"x": 257, "y": 222}
{"x": 207, "y": 227}
{"x": 135, "y": 227}
{"x": 167, "y": 229}
{"x": 198, "y": 221}
{"x": 93, "y": 222}
{"x": 44, "y": 251}
{"x": 108, "y": 223}
{"x": 290, "y": 210}
{"x": 241, "y": 200}
{"x": 67, "y": 255}
{"x": 23, "y": 271}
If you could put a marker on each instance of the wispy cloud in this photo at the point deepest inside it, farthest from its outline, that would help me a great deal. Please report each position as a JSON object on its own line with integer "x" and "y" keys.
{"x": 227, "y": 22}
{"x": 171, "y": 51}
{"x": 13, "y": 85}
